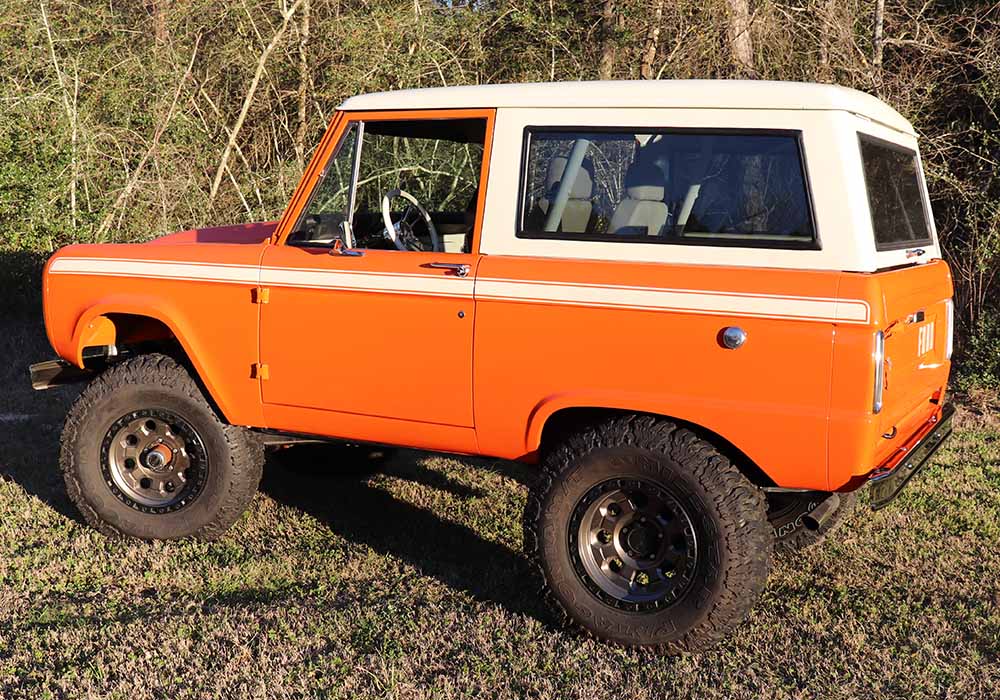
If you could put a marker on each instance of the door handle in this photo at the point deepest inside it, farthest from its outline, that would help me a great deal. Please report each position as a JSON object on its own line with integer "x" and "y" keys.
{"x": 460, "y": 269}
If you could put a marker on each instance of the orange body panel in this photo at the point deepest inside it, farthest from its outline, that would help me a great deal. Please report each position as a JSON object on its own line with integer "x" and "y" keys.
{"x": 915, "y": 381}
{"x": 374, "y": 344}
{"x": 385, "y": 348}
{"x": 769, "y": 398}
{"x": 215, "y": 322}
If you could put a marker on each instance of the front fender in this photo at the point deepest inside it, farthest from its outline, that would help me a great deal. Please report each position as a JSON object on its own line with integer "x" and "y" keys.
{"x": 95, "y": 328}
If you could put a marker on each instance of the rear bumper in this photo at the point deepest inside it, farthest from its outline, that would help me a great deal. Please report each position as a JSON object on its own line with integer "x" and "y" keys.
{"x": 888, "y": 480}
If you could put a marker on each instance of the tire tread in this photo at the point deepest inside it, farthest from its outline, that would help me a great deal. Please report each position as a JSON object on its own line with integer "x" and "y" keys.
{"x": 245, "y": 451}
{"x": 748, "y": 537}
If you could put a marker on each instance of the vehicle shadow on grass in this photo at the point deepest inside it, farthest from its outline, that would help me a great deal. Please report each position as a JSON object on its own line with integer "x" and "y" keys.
{"x": 30, "y": 421}
{"x": 455, "y": 554}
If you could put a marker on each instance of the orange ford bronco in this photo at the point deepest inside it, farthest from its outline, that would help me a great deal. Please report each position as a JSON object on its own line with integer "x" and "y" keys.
{"x": 709, "y": 310}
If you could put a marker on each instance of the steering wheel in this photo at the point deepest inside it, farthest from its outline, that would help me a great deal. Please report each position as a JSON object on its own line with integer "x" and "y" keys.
{"x": 401, "y": 233}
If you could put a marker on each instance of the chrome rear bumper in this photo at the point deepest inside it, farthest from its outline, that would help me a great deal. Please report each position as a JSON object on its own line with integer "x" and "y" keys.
{"x": 888, "y": 482}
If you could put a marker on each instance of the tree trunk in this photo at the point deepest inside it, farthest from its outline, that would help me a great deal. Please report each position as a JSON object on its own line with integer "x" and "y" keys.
{"x": 300, "y": 134}
{"x": 652, "y": 43}
{"x": 877, "y": 43}
{"x": 740, "y": 42}
{"x": 158, "y": 9}
{"x": 827, "y": 26}
{"x": 608, "y": 22}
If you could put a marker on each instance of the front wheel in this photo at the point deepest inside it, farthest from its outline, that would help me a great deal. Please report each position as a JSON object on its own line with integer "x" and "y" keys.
{"x": 145, "y": 455}
{"x": 646, "y": 536}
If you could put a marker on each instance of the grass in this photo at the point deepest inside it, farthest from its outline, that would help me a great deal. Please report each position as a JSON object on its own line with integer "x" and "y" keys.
{"x": 411, "y": 585}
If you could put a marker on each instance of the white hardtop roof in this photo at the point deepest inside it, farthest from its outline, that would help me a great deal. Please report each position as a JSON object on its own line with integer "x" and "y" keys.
{"x": 638, "y": 94}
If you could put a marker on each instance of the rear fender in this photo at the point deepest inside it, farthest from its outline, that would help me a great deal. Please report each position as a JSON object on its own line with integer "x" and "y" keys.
{"x": 652, "y": 405}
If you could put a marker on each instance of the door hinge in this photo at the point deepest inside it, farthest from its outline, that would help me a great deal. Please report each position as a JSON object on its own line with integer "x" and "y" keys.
{"x": 260, "y": 371}
{"x": 262, "y": 295}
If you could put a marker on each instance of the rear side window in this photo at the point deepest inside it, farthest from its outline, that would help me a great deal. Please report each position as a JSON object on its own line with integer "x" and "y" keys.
{"x": 895, "y": 196}
{"x": 681, "y": 187}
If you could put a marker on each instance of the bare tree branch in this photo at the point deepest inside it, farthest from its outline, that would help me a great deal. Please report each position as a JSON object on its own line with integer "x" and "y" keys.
{"x": 248, "y": 100}
{"x": 134, "y": 179}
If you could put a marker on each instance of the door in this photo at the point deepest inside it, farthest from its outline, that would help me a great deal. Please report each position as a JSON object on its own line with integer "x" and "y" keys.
{"x": 369, "y": 294}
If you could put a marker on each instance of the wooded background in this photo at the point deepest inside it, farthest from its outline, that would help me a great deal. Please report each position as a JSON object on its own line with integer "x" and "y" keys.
{"x": 123, "y": 119}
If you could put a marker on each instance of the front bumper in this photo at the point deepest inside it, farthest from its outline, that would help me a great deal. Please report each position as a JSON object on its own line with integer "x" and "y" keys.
{"x": 889, "y": 480}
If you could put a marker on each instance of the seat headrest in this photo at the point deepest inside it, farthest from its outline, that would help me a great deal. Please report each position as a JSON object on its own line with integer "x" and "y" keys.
{"x": 644, "y": 181}
{"x": 583, "y": 186}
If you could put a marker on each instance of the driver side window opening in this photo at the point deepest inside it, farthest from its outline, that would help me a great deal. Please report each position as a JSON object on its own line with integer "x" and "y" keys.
{"x": 412, "y": 185}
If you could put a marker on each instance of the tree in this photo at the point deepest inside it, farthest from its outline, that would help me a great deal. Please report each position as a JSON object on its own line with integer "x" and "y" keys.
{"x": 609, "y": 22}
{"x": 740, "y": 42}
{"x": 652, "y": 42}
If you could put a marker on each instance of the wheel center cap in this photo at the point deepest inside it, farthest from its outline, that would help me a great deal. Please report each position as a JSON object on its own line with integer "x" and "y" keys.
{"x": 642, "y": 540}
{"x": 159, "y": 458}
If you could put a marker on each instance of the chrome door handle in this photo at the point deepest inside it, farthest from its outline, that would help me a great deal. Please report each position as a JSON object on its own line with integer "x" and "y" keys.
{"x": 460, "y": 269}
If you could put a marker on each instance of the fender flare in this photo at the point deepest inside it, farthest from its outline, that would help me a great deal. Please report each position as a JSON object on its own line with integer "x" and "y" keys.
{"x": 95, "y": 328}
{"x": 681, "y": 409}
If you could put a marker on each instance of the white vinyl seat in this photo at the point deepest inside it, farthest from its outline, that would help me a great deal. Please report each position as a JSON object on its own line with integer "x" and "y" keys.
{"x": 576, "y": 215}
{"x": 642, "y": 211}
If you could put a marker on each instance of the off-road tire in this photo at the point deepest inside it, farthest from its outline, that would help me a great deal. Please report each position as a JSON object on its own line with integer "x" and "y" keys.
{"x": 785, "y": 512}
{"x": 233, "y": 455}
{"x": 728, "y": 514}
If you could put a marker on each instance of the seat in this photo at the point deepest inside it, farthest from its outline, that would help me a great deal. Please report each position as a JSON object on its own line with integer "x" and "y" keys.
{"x": 642, "y": 212}
{"x": 576, "y": 215}
{"x": 712, "y": 210}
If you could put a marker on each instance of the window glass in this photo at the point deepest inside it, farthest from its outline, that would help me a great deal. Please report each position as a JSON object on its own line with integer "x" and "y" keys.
{"x": 666, "y": 187}
{"x": 322, "y": 222}
{"x": 895, "y": 196}
{"x": 438, "y": 162}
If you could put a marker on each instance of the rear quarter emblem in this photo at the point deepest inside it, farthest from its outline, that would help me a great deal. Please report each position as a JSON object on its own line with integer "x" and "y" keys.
{"x": 925, "y": 339}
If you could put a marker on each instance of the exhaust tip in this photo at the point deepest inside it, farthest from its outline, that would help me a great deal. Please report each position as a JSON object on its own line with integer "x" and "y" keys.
{"x": 816, "y": 519}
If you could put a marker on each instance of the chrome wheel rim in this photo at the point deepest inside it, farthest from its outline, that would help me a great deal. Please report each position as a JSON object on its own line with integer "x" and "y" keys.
{"x": 154, "y": 461}
{"x": 633, "y": 544}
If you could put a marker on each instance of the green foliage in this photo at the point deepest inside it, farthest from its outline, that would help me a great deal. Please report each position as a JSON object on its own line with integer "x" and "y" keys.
{"x": 105, "y": 134}
{"x": 979, "y": 362}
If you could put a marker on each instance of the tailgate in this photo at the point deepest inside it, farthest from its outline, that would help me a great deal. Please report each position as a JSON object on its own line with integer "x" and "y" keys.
{"x": 918, "y": 319}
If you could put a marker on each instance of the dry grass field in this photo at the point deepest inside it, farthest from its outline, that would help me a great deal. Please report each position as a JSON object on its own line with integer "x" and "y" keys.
{"x": 410, "y": 584}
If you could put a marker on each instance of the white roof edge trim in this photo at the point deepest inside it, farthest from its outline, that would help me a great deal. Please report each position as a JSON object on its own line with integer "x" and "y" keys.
{"x": 641, "y": 94}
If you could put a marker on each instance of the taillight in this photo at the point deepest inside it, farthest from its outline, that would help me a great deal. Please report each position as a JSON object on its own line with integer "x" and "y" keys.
{"x": 949, "y": 341}
{"x": 878, "y": 357}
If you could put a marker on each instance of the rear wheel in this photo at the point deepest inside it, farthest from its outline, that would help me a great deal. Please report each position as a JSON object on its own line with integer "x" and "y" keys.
{"x": 145, "y": 455}
{"x": 646, "y": 536}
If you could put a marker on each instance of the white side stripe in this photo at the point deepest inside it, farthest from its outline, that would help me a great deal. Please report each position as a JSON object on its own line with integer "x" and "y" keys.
{"x": 429, "y": 285}
{"x": 108, "y": 267}
{"x": 486, "y": 289}
{"x": 678, "y": 300}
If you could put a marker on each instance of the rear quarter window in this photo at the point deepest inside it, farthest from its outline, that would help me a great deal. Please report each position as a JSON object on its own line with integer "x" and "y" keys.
{"x": 895, "y": 194}
{"x": 671, "y": 186}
